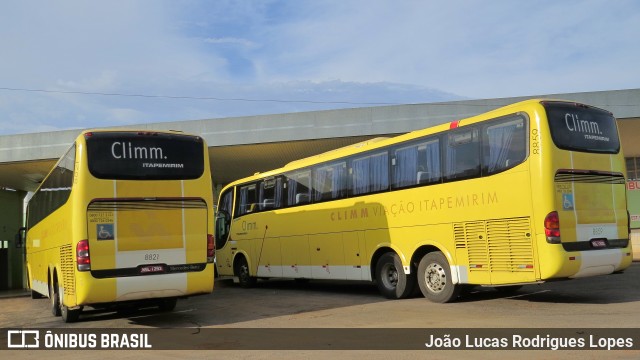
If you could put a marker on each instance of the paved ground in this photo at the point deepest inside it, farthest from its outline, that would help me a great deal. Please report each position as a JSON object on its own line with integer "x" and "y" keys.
{"x": 601, "y": 302}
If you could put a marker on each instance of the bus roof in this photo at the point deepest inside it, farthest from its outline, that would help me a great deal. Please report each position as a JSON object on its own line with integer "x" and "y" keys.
{"x": 132, "y": 130}
{"x": 380, "y": 142}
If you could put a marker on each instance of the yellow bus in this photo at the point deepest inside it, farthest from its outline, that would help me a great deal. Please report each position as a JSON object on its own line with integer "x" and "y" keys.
{"x": 523, "y": 194}
{"x": 124, "y": 217}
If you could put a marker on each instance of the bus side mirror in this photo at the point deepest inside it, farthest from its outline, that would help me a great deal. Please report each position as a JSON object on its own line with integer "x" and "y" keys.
{"x": 20, "y": 237}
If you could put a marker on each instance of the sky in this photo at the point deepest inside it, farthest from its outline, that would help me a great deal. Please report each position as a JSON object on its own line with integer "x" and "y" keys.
{"x": 72, "y": 64}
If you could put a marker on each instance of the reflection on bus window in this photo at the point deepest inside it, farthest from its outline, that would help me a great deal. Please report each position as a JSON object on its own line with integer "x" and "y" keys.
{"x": 55, "y": 189}
{"x": 299, "y": 188}
{"x": 226, "y": 201}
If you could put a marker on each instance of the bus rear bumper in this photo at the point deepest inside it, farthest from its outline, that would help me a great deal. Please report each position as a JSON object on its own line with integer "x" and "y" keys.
{"x": 123, "y": 289}
{"x": 601, "y": 262}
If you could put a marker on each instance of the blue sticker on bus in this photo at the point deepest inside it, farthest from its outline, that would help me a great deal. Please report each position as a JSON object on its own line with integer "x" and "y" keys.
{"x": 105, "y": 231}
{"x": 567, "y": 201}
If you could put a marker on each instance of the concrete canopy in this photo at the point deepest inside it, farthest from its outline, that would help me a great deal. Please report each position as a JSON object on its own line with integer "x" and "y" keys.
{"x": 241, "y": 146}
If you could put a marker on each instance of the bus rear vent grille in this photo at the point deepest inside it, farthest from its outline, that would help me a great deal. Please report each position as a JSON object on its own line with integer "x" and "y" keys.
{"x": 496, "y": 245}
{"x": 66, "y": 263}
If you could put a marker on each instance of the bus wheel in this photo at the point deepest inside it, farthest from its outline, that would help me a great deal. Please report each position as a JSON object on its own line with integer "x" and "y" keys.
{"x": 55, "y": 299}
{"x": 243, "y": 274}
{"x": 392, "y": 282}
{"x": 434, "y": 278}
{"x": 69, "y": 315}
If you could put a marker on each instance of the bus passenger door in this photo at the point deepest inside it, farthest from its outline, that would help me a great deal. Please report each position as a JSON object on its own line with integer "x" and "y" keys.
{"x": 225, "y": 246}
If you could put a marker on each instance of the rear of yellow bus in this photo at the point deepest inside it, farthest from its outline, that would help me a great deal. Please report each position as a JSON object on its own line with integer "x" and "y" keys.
{"x": 147, "y": 202}
{"x": 586, "y": 223}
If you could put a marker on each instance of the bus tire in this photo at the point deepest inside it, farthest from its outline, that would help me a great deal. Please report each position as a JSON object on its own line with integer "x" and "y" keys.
{"x": 55, "y": 298}
{"x": 243, "y": 274}
{"x": 434, "y": 278}
{"x": 70, "y": 315}
{"x": 392, "y": 282}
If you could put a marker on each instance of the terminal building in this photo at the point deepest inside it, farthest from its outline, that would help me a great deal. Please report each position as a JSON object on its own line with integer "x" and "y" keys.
{"x": 241, "y": 146}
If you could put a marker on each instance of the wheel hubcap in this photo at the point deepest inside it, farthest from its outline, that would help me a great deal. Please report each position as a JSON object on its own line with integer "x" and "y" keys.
{"x": 435, "y": 277}
{"x": 391, "y": 276}
{"x": 244, "y": 271}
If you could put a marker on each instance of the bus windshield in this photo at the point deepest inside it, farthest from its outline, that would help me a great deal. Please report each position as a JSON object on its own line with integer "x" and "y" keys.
{"x": 144, "y": 156}
{"x": 581, "y": 128}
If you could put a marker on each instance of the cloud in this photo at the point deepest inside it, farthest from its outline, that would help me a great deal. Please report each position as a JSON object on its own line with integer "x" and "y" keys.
{"x": 334, "y": 53}
{"x": 230, "y": 40}
{"x": 472, "y": 48}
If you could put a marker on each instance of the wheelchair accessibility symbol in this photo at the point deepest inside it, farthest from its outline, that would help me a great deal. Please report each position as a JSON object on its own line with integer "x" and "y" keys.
{"x": 567, "y": 201}
{"x": 105, "y": 231}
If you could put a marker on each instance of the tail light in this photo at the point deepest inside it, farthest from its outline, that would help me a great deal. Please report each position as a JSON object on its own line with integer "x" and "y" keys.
{"x": 211, "y": 248}
{"x": 552, "y": 227}
{"x": 82, "y": 255}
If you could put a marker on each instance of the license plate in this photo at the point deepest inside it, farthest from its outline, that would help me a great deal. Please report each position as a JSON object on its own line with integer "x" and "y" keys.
{"x": 151, "y": 269}
{"x": 598, "y": 243}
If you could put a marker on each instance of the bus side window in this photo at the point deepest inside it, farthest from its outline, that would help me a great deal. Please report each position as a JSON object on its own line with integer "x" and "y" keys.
{"x": 298, "y": 187}
{"x": 405, "y": 163}
{"x": 370, "y": 174}
{"x": 54, "y": 191}
{"x": 504, "y": 145}
{"x": 462, "y": 155}
{"x": 226, "y": 201}
{"x": 270, "y": 194}
{"x": 247, "y": 200}
{"x": 429, "y": 169}
{"x": 330, "y": 182}
{"x": 418, "y": 164}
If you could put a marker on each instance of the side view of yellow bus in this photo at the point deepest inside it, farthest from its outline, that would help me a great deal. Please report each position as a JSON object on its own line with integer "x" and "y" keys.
{"x": 527, "y": 193}
{"x": 124, "y": 217}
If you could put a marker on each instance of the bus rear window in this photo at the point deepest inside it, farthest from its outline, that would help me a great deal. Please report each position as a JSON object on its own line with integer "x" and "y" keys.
{"x": 582, "y": 128}
{"x": 144, "y": 156}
